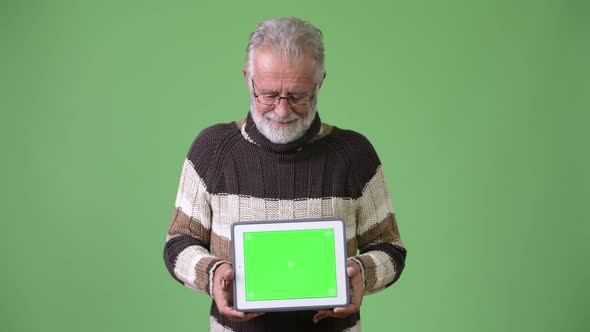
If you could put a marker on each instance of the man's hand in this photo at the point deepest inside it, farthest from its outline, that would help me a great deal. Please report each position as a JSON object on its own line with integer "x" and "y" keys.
{"x": 223, "y": 294}
{"x": 357, "y": 291}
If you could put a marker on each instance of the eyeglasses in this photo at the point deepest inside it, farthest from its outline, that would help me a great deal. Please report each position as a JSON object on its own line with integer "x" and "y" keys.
{"x": 272, "y": 98}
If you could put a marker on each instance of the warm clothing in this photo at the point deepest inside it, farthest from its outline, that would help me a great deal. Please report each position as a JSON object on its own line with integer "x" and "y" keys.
{"x": 233, "y": 173}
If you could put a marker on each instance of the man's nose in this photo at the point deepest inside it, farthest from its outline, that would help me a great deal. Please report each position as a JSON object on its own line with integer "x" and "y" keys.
{"x": 282, "y": 109}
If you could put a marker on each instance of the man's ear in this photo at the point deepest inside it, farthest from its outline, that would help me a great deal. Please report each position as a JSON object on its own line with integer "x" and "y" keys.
{"x": 245, "y": 76}
{"x": 322, "y": 81}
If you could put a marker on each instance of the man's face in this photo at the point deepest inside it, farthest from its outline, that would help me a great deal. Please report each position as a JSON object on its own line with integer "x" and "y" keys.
{"x": 282, "y": 122}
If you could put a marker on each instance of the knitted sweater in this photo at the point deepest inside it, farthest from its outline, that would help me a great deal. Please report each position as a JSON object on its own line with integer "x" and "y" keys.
{"x": 233, "y": 173}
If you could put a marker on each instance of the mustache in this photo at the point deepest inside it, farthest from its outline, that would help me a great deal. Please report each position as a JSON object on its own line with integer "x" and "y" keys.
{"x": 272, "y": 116}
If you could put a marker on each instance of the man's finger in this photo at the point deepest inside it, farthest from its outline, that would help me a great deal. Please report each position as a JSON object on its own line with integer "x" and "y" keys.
{"x": 228, "y": 274}
{"x": 226, "y": 278}
{"x": 233, "y": 314}
{"x": 322, "y": 314}
{"x": 351, "y": 272}
{"x": 252, "y": 315}
{"x": 348, "y": 310}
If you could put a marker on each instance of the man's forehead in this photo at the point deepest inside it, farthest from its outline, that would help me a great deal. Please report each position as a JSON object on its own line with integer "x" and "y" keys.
{"x": 268, "y": 64}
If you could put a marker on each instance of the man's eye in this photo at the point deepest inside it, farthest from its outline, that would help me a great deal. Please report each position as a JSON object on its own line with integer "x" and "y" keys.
{"x": 269, "y": 95}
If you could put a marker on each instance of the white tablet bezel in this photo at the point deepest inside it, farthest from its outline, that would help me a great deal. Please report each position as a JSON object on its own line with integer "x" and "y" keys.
{"x": 240, "y": 302}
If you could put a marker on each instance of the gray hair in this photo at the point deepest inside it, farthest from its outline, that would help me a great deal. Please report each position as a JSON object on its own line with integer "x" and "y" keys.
{"x": 288, "y": 37}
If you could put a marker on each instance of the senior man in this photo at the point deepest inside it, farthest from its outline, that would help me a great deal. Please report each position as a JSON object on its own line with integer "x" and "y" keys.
{"x": 282, "y": 162}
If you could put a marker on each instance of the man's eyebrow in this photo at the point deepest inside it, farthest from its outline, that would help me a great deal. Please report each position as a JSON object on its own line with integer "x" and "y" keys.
{"x": 296, "y": 92}
{"x": 301, "y": 92}
{"x": 266, "y": 90}
{"x": 262, "y": 90}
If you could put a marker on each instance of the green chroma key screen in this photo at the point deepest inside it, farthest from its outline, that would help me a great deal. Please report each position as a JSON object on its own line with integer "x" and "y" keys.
{"x": 295, "y": 264}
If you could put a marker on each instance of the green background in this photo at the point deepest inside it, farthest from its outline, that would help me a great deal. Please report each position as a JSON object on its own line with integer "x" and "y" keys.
{"x": 289, "y": 270}
{"x": 479, "y": 111}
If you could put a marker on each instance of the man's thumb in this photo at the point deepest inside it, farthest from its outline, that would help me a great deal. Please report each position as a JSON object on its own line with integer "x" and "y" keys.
{"x": 228, "y": 275}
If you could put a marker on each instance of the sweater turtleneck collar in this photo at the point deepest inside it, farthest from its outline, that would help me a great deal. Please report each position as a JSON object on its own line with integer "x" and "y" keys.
{"x": 258, "y": 138}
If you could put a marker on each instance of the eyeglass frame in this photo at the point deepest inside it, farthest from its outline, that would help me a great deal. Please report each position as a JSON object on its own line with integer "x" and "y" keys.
{"x": 279, "y": 97}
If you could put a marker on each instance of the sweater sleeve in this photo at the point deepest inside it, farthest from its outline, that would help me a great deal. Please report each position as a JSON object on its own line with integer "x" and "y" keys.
{"x": 382, "y": 254}
{"x": 186, "y": 252}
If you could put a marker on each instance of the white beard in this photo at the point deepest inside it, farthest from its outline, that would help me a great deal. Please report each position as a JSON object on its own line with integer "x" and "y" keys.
{"x": 284, "y": 134}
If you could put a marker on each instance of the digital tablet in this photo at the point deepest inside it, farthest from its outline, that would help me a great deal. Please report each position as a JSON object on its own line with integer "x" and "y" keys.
{"x": 289, "y": 265}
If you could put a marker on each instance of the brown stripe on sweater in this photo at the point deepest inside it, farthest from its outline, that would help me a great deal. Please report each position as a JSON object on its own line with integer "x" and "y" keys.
{"x": 220, "y": 247}
{"x": 384, "y": 231}
{"x": 325, "y": 130}
{"x": 202, "y": 280}
{"x": 185, "y": 225}
{"x": 370, "y": 268}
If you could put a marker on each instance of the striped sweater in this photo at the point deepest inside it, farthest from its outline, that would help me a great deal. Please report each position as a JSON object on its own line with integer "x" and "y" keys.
{"x": 233, "y": 173}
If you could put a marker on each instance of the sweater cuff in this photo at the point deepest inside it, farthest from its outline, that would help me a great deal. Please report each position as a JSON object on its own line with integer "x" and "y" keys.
{"x": 362, "y": 268}
{"x": 211, "y": 273}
